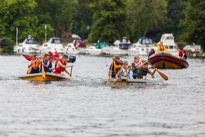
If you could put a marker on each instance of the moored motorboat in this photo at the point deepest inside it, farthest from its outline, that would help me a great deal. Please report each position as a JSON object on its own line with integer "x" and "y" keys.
{"x": 77, "y": 47}
{"x": 142, "y": 47}
{"x": 165, "y": 60}
{"x": 121, "y": 82}
{"x": 27, "y": 46}
{"x": 120, "y": 47}
{"x": 96, "y": 49}
{"x": 49, "y": 77}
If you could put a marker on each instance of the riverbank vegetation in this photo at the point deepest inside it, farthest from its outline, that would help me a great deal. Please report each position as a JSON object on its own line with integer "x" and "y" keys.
{"x": 104, "y": 20}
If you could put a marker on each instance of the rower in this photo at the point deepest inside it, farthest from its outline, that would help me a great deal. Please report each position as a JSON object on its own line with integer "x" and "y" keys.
{"x": 181, "y": 53}
{"x": 50, "y": 64}
{"x": 126, "y": 75}
{"x": 135, "y": 65}
{"x": 115, "y": 66}
{"x": 161, "y": 48}
{"x": 60, "y": 65}
{"x": 35, "y": 63}
{"x": 56, "y": 54}
{"x": 151, "y": 53}
{"x": 50, "y": 53}
{"x": 45, "y": 64}
{"x": 143, "y": 70}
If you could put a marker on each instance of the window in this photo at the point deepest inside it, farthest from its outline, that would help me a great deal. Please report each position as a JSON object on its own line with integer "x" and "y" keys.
{"x": 45, "y": 45}
{"x": 142, "y": 49}
{"x": 57, "y": 41}
{"x": 171, "y": 47}
{"x": 134, "y": 46}
{"x": 166, "y": 47}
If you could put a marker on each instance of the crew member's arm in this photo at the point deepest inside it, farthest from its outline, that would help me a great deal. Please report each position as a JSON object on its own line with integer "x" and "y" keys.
{"x": 30, "y": 64}
{"x": 63, "y": 66}
{"x": 67, "y": 73}
{"x": 47, "y": 64}
{"x": 118, "y": 74}
{"x": 152, "y": 73}
{"x": 117, "y": 61}
{"x": 142, "y": 65}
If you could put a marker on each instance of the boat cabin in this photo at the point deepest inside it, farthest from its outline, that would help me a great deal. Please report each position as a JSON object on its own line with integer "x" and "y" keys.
{"x": 123, "y": 44}
{"x": 79, "y": 43}
{"x": 100, "y": 45}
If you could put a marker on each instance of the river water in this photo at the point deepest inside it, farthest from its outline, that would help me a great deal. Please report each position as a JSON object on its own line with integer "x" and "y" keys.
{"x": 87, "y": 107}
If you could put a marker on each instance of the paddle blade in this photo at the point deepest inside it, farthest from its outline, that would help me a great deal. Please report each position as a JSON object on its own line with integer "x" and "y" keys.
{"x": 163, "y": 75}
{"x": 43, "y": 71}
{"x": 108, "y": 81}
{"x": 152, "y": 76}
{"x": 29, "y": 70}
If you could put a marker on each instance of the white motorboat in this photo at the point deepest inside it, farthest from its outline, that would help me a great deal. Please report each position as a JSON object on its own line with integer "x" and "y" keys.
{"x": 168, "y": 42}
{"x": 142, "y": 47}
{"x": 120, "y": 47}
{"x": 54, "y": 44}
{"x": 96, "y": 49}
{"x": 77, "y": 47}
{"x": 27, "y": 46}
{"x": 71, "y": 49}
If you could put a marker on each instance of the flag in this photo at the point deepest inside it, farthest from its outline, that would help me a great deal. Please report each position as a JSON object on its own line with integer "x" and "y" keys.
{"x": 17, "y": 30}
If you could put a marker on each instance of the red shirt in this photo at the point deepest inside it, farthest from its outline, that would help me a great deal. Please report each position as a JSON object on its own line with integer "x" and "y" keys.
{"x": 181, "y": 53}
{"x": 50, "y": 54}
{"x": 57, "y": 55}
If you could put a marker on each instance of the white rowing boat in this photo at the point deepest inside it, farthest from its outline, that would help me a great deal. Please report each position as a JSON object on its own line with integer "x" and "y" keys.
{"x": 120, "y": 82}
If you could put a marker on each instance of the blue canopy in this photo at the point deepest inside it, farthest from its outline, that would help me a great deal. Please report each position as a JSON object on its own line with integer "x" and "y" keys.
{"x": 30, "y": 41}
{"x": 145, "y": 40}
{"x": 56, "y": 41}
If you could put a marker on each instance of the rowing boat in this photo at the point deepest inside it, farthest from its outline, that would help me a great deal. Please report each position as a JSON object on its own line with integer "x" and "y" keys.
{"x": 120, "y": 82}
{"x": 49, "y": 77}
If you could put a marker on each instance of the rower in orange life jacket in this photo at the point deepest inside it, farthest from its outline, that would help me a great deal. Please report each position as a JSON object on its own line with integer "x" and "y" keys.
{"x": 116, "y": 66}
{"x": 35, "y": 63}
{"x": 60, "y": 65}
{"x": 161, "y": 48}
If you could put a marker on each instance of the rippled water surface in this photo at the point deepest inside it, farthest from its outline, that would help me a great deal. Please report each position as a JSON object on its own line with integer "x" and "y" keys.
{"x": 87, "y": 107}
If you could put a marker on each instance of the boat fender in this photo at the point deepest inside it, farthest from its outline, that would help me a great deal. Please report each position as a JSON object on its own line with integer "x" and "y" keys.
{"x": 72, "y": 59}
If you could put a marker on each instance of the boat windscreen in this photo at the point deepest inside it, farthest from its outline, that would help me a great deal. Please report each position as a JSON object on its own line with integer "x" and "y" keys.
{"x": 56, "y": 41}
{"x": 124, "y": 46}
{"x": 30, "y": 41}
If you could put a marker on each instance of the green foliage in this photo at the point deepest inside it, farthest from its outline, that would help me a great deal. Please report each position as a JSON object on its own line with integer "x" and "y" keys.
{"x": 181, "y": 45}
{"x": 58, "y": 13}
{"x": 194, "y": 27}
{"x": 17, "y": 13}
{"x": 111, "y": 21}
{"x": 41, "y": 32}
{"x": 8, "y": 45}
{"x": 83, "y": 19}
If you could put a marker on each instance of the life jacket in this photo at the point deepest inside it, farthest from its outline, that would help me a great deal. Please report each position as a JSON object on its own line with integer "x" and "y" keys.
{"x": 50, "y": 54}
{"x": 116, "y": 68}
{"x": 46, "y": 69}
{"x": 56, "y": 55}
{"x": 134, "y": 70}
{"x": 126, "y": 75}
{"x": 151, "y": 53}
{"x": 161, "y": 47}
{"x": 142, "y": 73}
{"x": 36, "y": 65}
{"x": 60, "y": 69}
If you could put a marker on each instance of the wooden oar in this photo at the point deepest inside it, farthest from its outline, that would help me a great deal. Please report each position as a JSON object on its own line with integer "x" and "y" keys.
{"x": 43, "y": 71}
{"x": 160, "y": 73}
{"x": 120, "y": 76}
{"x": 71, "y": 71}
{"x": 29, "y": 70}
{"x": 108, "y": 81}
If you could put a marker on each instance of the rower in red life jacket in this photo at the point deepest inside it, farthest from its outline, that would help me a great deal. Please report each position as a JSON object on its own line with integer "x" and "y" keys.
{"x": 151, "y": 53}
{"x": 181, "y": 53}
{"x": 56, "y": 54}
{"x": 50, "y": 53}
{"x": 60, "y": 65}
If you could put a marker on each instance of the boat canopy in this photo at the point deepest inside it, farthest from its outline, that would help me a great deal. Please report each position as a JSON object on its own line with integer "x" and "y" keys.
{"x": 100, "y": 45}
{"x": 124, "y": 46}
{"x": 29, "y": 41}
{"x": 55, "y": 41}
{"x": 145, "y": 40}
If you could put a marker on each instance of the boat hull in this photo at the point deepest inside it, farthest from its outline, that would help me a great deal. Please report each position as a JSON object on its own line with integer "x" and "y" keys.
{"x": 38, "y": 77}
{"x": 120, "y": 82}
{"x": 164, "y": 60}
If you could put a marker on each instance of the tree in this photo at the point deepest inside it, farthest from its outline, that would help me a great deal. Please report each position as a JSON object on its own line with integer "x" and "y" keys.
{"x": 83, "y": 19}
{"x": 8, "y": 45}
{"x": 17, "y": 13}
{"x": 146, "y": 15}
{"x": 58, "y": 13}
{"x": 194, "y": 27}
{"x": 111, "y": 21}
{"x": 41, "y": 32}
